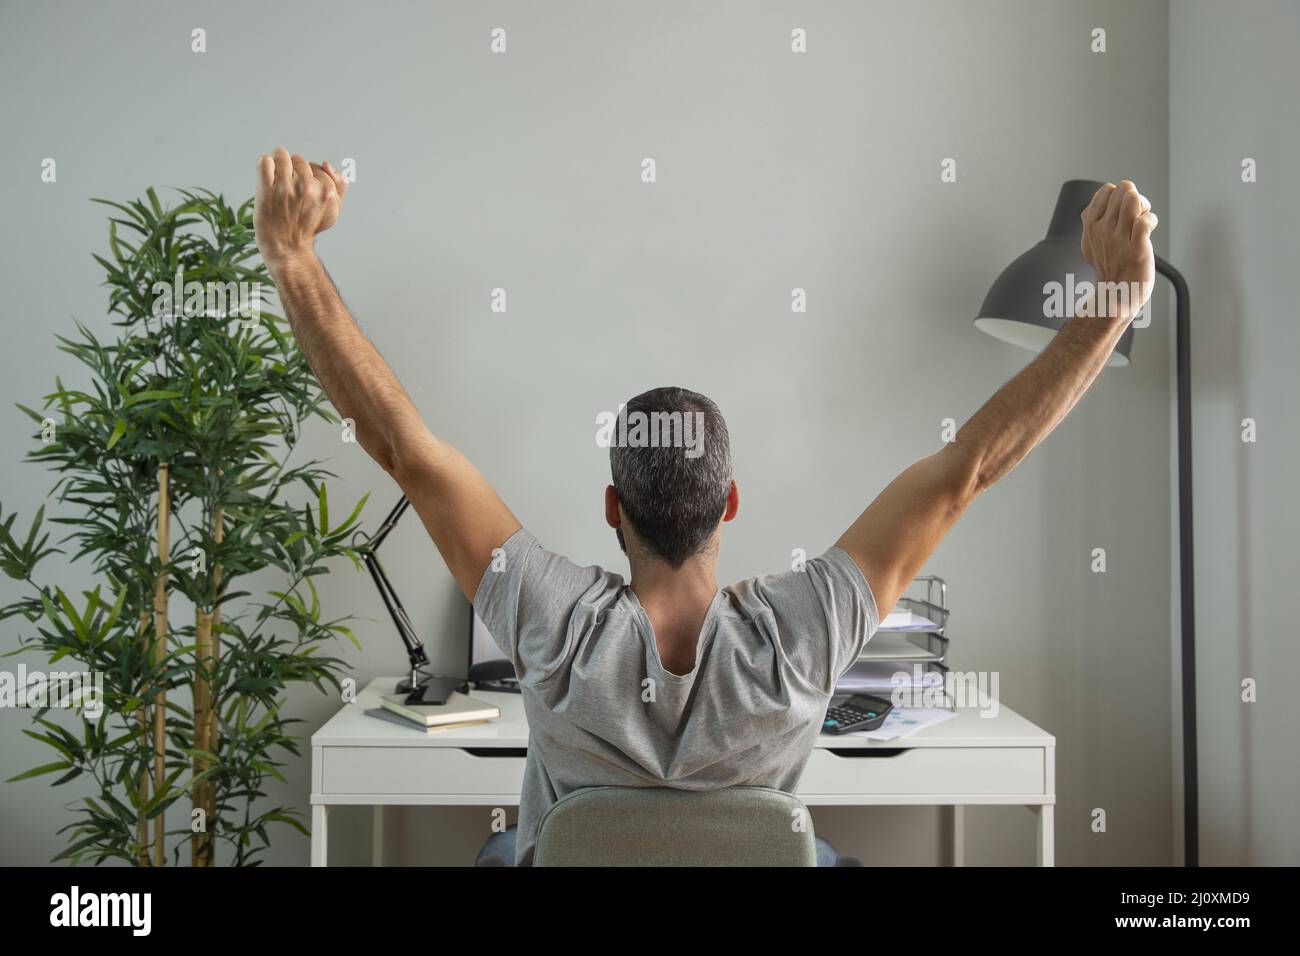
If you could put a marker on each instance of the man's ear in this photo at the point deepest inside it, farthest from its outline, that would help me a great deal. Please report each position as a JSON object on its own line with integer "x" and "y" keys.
{"x": 733, "y": 501}
{"x": 612, "y": 516}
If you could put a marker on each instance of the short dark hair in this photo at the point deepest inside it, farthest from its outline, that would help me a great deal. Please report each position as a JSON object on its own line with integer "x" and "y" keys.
{"x": 673, "y": 499}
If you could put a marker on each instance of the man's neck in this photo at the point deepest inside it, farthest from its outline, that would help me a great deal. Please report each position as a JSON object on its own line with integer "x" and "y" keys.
{"x": 655, "y": 580}
{"x": 676, "y": 600}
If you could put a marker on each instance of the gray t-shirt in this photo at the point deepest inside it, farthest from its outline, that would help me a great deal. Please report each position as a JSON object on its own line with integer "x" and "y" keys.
{"x": 603, "y": 711}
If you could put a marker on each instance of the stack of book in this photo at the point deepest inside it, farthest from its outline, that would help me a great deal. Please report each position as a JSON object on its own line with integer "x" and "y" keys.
{"x": 460, "y": 710}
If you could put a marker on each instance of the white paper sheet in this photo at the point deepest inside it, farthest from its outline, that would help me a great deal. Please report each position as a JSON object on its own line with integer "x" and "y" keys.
{"x": 906, "y": 621}
{"x": 885, "y": 676}
{"x": 905, "y": 721}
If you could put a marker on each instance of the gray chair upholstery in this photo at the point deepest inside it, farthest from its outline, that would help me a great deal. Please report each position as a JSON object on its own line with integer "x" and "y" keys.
{"x": 652, "y": 826}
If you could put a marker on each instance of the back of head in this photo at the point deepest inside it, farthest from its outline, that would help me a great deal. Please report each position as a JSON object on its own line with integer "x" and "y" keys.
{"x": 671, "y": 465}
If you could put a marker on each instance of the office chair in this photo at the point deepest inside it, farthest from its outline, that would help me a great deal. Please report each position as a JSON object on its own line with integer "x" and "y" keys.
{"x": 654, "y": 826}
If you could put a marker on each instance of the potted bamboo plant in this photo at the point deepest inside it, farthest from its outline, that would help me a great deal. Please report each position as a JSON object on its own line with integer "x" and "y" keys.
{"x": 176, "y": 479}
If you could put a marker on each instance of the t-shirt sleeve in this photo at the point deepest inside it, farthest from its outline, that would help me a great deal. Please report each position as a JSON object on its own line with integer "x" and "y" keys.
{"x": 527, "y": 598}
{"x": 823, "y": 615}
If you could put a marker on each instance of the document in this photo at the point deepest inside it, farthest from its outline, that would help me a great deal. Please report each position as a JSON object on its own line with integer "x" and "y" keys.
{"x": 905, "y": 721}
{"x": 884, "y": 676}
{"x": 906, "y": 621}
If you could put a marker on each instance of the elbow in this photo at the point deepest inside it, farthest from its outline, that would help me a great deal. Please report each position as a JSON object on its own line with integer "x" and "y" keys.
{"x": 382, "y": 450}
{"x": 386, "y": 458}
{"x": 965, "y": 478}
{"x": 379, "y": 443}
{"x": 413, "y": 460}
{"x": 400, "y": 466}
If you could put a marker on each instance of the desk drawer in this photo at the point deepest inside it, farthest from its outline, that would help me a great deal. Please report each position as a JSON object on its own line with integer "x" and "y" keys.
{"x": 418, "y": 770}
{"x": 937, "y": 770}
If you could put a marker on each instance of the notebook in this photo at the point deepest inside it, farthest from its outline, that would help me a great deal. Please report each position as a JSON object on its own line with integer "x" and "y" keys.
{"x": 459, "y": 709}
{"x": 388, "y": 716}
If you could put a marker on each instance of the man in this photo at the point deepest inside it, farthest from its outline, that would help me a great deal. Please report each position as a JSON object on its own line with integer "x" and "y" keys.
{"x": 669, "y": 681}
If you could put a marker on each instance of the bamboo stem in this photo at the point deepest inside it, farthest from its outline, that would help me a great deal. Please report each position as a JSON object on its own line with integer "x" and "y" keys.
{"x": 207, "y": 650}
{"x": 143, "y": 716}
{"x": 159, "y": 655}
{"x": 202, "y": 696}
{"x": 213, "y": 734}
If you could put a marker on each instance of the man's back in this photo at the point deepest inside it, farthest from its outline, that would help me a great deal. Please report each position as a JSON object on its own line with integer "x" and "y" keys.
{"x": 604, "y": 711}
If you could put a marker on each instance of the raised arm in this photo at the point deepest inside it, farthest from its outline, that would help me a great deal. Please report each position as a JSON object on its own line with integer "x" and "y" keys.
{"x": 894, "y": 537}
{"x": 295, "y": 201}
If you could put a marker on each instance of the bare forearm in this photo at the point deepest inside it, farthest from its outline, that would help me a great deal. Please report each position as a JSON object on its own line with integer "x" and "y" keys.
{"x": 354, "y": 375}
{"x": 1026, "y": 409}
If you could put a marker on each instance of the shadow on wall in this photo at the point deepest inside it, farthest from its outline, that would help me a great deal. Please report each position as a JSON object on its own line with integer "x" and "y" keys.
{"x": 1214, "y": 244}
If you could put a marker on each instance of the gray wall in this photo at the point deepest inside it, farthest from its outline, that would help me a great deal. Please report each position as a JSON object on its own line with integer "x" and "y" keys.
{"x": 775, "y": 171}
{"x": 1233, "y": 83}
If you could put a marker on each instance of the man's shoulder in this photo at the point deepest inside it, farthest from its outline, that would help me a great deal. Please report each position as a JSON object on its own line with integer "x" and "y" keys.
{"x": 549, "y": 575}
{"x": 802, "y": 581}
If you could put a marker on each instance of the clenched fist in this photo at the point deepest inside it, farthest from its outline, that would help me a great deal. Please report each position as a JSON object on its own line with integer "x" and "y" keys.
{"x": 295, "y": 200}
{"x": 1117, "y": 227}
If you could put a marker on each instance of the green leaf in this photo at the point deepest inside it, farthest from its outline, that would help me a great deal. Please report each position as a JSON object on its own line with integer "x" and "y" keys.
{"x": 119, "y": 429}
{"x": 324, "y": 507}
{"x": 347, "y": 632}
{"x": 285, "y": 818}
{"x": 70, "y": 775}
{"x": 52, "y": 741}
{"x": 37, "y": 771}
{"x": 31, "y": 413}
{"x": 117, "y": 205}
{"x": 356, "y": 513}
{"x": 152, "y": 395}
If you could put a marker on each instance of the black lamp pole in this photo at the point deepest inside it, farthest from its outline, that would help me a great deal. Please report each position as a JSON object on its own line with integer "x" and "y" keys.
{"x": 1187, "y": 605}
{"x": 1014, "y": 311}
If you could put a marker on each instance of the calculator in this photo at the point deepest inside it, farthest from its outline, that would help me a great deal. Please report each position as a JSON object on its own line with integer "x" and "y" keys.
{"x": 859, "y": 712}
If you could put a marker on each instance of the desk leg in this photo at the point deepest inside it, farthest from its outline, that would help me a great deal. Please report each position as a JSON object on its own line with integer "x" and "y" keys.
{"x": 954, "y": 825}
{"x": 319, "y": 834}
{"x": 1046, "y": 834}
{"x": 377, "y": 835}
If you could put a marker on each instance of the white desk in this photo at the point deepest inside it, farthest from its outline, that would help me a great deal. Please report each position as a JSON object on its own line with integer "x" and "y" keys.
{"x": 967, "y": 760}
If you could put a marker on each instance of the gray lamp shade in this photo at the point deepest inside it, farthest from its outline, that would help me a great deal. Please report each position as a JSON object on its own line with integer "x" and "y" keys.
{"x": 1015, "y": 309}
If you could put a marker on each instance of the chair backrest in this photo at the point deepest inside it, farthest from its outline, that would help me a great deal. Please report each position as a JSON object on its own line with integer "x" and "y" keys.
{"x": 653, "y": 826}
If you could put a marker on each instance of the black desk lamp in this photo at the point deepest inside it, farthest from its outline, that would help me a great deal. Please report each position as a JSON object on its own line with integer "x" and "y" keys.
{"x": 1014, "y": 312}
{"x": 420, "y": 687}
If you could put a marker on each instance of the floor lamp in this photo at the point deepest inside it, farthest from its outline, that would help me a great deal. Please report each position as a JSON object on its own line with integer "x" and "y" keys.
{"x": 1014, "y": 311}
